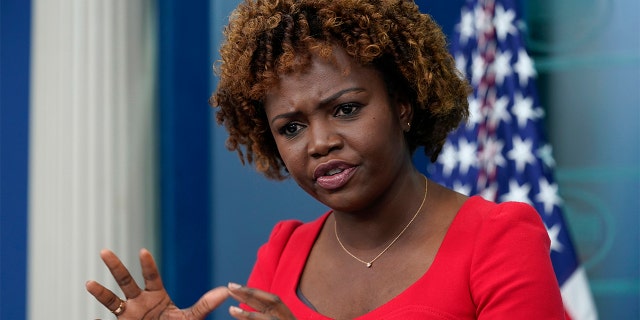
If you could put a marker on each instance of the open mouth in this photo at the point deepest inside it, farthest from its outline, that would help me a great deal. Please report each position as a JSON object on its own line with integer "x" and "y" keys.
{"x": 335, "y": 178}
{"x": 333, "y": 172}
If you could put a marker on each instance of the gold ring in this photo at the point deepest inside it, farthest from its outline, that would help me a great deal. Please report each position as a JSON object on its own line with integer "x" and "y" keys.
{"x": 120, "y": 308}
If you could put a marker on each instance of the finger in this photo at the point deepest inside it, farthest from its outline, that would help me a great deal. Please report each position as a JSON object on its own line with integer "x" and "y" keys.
{"x": 105, "y": 296}
{"x": 120, "y": 274}
{"x": 208, "y": 302}
{"x": 262, "y": 301}
{"x": 152, "y": 280}
{"x": 242, "y": 314}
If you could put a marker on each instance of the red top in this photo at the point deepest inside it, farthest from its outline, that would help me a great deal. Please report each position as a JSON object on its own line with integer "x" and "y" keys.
{"x": 493, "y": 263}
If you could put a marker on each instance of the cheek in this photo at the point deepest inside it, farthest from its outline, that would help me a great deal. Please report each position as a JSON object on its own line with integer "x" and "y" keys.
{"x": 387, "y": 144}
{"x": 294, "y": 158}
{"x": 291, "y": 154}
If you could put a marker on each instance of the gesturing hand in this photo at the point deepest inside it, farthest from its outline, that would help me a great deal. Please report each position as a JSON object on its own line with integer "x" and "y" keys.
{"x": 268, "y": 305}
{"x": 153, "y": 302}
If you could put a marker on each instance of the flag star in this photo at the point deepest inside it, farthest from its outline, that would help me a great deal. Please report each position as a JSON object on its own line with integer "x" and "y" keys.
{"x": 490, "y": 192}
{"x": 449, "y": 159}
{"x": 521, "y": 153}
{"x": 524, "y": 68}
{"x": 503, "y": 22}
{"x": 553, "y": 236}
{"x": 491, "y": 156}
{"x": 475, "y": 114}
{"x": 461, "y": 64}
{"x": 465, "y": 27}
{"x": 548, "y": 195}
{"x": 523, "y": 109}
{"x": 502, "y": 66}
{"x": 546, "y": 154}
{"x": 499, "y": 112}
{"x": 478, "y": 66}
{"x": 517, "y": 192}
{"x": 482, "y": 20}
{"x": 462, "y": 188}
{"x": 467, "y": 155}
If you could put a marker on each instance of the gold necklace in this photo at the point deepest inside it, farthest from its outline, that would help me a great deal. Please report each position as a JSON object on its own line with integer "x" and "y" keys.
{"x": 370, "y": 263}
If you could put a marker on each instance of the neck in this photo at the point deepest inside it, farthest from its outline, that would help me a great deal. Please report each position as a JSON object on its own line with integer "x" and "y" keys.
{"x": 376, "y": 225}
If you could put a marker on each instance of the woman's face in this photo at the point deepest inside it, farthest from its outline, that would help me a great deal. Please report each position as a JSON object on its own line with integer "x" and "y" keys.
{"x": 338, "y": 133}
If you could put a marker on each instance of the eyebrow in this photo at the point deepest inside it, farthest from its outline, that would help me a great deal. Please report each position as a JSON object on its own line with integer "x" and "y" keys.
{"x": 324, "y": 101}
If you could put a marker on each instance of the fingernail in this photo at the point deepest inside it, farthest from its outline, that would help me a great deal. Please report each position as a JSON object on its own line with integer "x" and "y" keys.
{"x": 233, "y": 286}
{"x": 234, "y": 309}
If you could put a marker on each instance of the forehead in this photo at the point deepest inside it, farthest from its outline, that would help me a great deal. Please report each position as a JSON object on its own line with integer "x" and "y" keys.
{"x": 322, "y": 77}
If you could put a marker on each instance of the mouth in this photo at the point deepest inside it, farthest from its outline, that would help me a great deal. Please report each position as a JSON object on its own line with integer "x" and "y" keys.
{"x": 333, "y": 172}
{"x": 330, "y": 168}
{"x": 333, "y": 175}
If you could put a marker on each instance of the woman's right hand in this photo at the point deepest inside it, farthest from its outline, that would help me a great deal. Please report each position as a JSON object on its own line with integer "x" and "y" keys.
{"x": 153, "y": 302}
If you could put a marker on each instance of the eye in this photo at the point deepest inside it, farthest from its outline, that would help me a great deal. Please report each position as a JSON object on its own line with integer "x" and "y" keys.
{"x": 347, "y": 109}
{"x": 290, "y": 129}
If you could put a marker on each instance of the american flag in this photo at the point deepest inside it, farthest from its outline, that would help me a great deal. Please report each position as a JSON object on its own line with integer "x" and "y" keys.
{"x": 501, "y": 152}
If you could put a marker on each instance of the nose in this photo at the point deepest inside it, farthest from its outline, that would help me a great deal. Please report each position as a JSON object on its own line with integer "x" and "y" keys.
{"x": 323, "y": 139}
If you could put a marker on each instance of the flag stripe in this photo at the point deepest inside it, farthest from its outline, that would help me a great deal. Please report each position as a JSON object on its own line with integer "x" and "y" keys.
{"x": 574, "y": 292}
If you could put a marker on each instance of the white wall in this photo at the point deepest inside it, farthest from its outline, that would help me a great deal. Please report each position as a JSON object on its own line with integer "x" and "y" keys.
{"x": 93, "y": 134}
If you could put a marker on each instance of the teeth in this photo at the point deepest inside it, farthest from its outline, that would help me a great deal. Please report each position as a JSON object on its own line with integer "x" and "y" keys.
{"x": 333, "y": 171}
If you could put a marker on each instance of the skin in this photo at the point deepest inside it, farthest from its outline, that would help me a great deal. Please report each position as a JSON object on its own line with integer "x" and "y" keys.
{"x": 336, "y": 111}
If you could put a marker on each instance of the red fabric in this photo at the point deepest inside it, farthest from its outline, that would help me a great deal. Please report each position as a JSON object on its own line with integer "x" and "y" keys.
{"x": 493, "y": 264}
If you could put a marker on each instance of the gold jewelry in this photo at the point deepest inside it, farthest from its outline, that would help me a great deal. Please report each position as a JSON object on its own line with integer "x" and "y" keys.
{"x": 370, "y": 263}
{"x": 120, "y": 308}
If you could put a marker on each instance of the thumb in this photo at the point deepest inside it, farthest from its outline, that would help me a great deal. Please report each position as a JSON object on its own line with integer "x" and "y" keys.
{"x": 208, "y": 302}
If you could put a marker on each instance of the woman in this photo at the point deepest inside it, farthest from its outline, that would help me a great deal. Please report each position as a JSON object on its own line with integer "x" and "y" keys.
{"x": 338, "y": 95}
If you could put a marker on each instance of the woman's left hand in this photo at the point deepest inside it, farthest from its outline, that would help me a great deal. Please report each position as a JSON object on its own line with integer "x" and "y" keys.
{"x": 268, "y": 306}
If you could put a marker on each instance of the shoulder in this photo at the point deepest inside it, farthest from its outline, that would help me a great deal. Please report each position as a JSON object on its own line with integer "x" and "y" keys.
{"x": 290, "y": 234}
{"x": 284, "y": 231}
{"x": 511, "y": 213}
{"x": 490, "y": 230}
{"x": 486, "y": 230}
{"x": 473, "y": 214}
{"x": 290, "y": 237}
{"x": 511, "y": 271}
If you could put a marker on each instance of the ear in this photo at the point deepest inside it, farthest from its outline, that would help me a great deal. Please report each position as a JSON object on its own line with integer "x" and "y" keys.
{"x": 405, "y": 114}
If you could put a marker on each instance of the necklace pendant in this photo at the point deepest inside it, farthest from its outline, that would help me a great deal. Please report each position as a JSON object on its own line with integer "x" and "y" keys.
{"x": 368, "y": 264}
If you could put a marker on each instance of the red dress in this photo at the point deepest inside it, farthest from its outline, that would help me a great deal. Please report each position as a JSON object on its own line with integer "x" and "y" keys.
{"x": 493, "y": 263}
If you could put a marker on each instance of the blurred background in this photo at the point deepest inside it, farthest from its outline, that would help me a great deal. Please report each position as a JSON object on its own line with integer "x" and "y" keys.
{"x": 107, "y": 141}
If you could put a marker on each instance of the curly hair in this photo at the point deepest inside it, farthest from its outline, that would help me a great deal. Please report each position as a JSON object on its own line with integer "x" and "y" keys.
{"x": 269, "y": 38}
